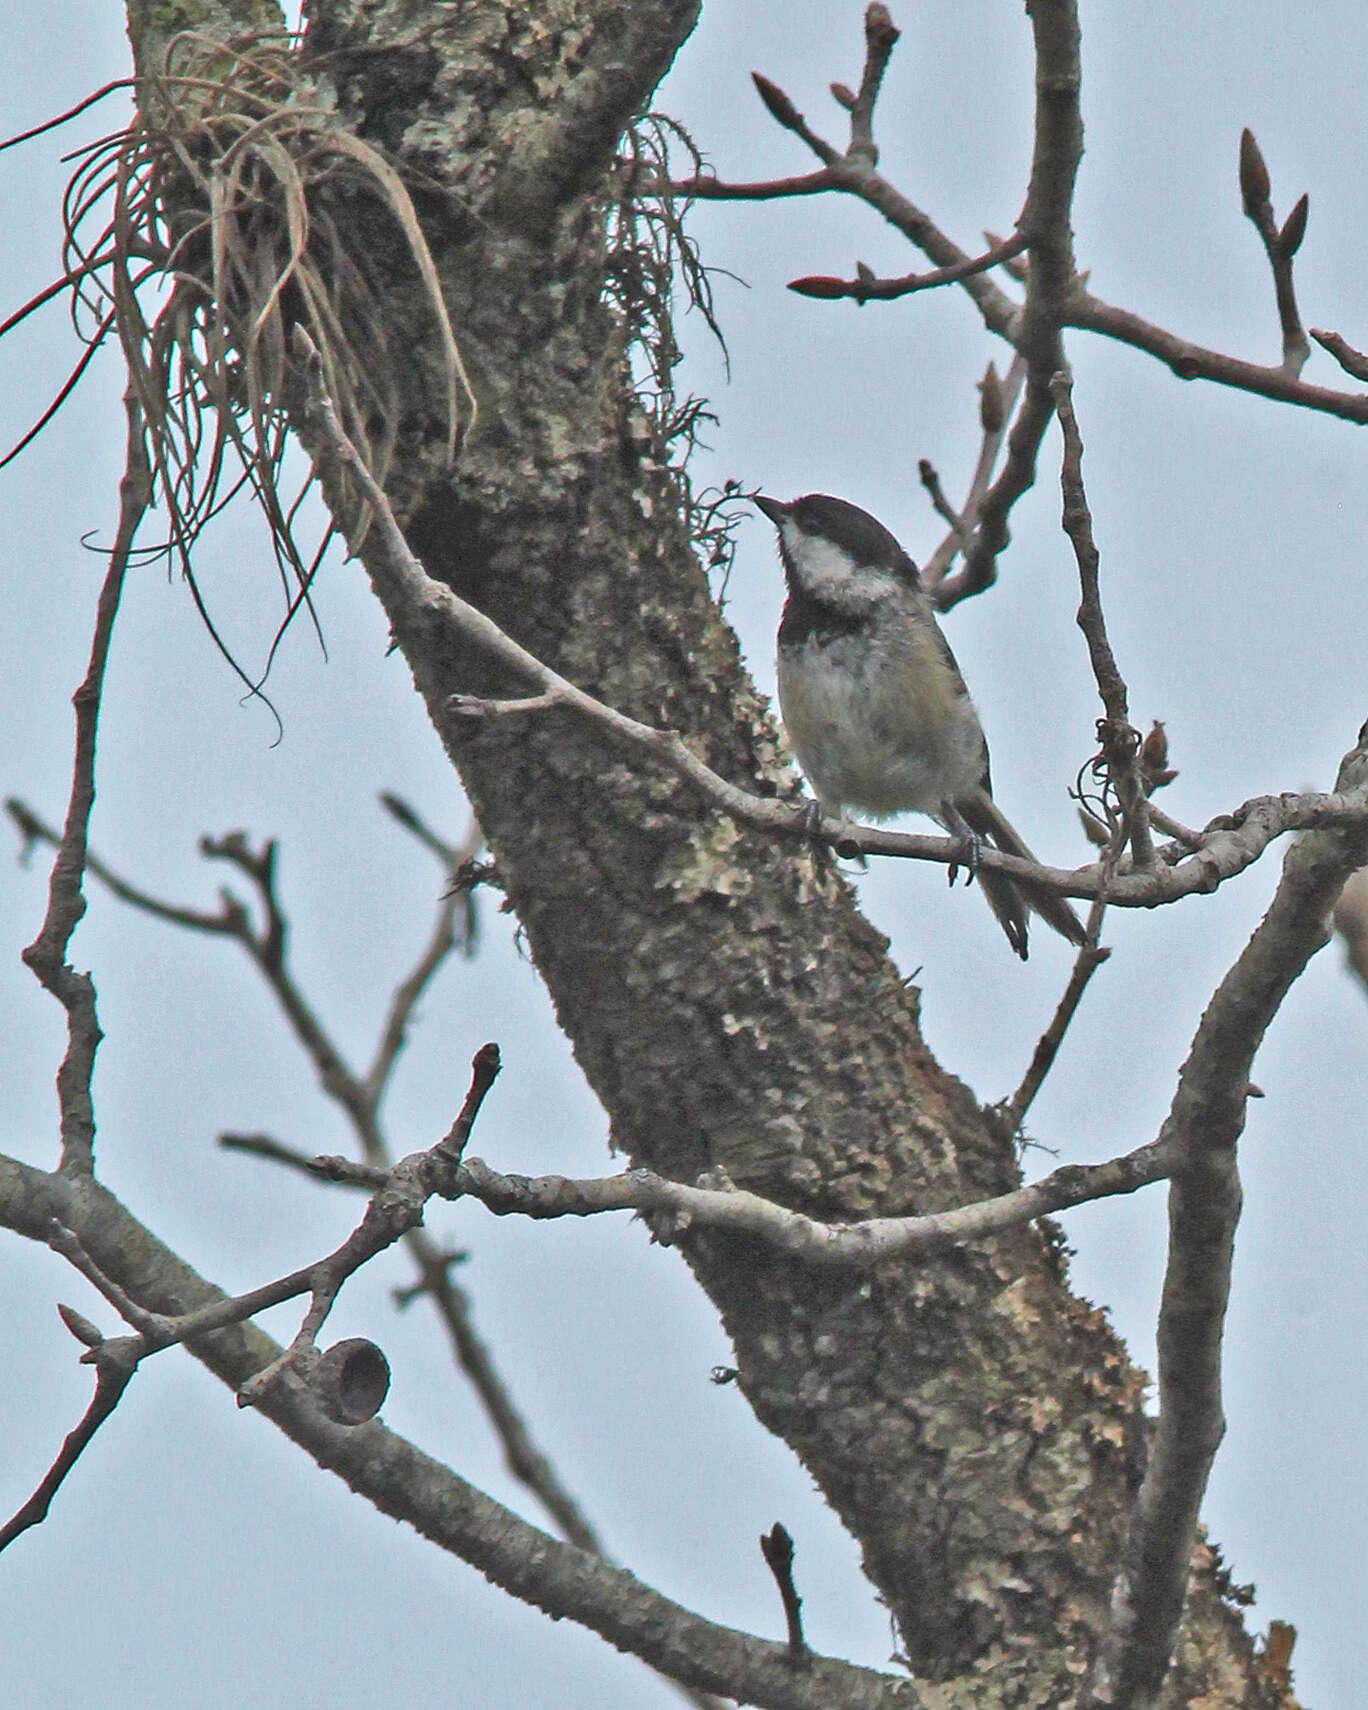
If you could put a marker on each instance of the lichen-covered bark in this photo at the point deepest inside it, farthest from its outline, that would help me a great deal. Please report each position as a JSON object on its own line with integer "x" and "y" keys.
{"x": 974, "y": 1424}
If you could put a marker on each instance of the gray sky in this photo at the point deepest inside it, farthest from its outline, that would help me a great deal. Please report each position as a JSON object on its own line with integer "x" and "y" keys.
{"x": 195, "y": 1554}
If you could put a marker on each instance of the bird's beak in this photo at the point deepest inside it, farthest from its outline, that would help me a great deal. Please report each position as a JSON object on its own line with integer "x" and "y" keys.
{"x": 775, "y": 509}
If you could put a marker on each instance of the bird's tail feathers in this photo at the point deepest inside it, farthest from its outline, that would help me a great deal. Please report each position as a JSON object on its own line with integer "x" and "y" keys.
{"x": 1012, "y": 899}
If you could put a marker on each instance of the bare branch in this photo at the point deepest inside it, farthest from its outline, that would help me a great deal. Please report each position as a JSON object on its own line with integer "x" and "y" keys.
{"x": 451, "y": 855}
{"x": 1195, "y": 362}
{"x": 776, "y": 1546}
{"x": 116, "y": 1360}
{"x": 47, "y": 955}
{"x": 393, "y": 562}
{"x": 1015, "y": 266}
{"x": 114, "y": 1367}
{"x": 675, "y": 1206}
{"x": 267, "y": 948}
{"x": 35, "y": 829}
{"x": 1077, "y": 522}
{"x": 1280, "y": 246}
{"x": 395, "y": 1209}
{"x": 1045, "y": 225}
{"x": 1120, "y": 740}
{"x": 274, "y": 1151}
{"x": 927, "y": 475}
{"x": 784, "y": 113}
{"x": 1175, "y": 828}
{"x": 881, "y": 37}
{"x": 706, "y": 188}
{"x": 860, "y": 1245}
{"x": 523, "y": 1458}
{"x": 1350, "y": 360}
{"x": 992, "y": 536}
{"x": 358, "y": 1094}
{"x": 1090, "y": 958}
{"x": 997, "y": 404}
{"x": 484, "y": 1072}
{"x": 1081, "y": 308}
{"x": 865, "y": 287}
{"x": 439, "y": 946}
{"x": 527, "y": 1463}
{"x": 147, "y": 1324}
{"x": 1201, "y": 1132}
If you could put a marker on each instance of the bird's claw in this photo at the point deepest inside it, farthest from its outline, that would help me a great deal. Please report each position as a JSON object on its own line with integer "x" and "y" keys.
{"x": 968, "y": 848}
{"x": 844, "y": 844}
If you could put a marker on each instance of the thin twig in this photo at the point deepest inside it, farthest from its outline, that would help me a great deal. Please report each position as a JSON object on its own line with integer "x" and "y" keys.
{"x": 1090, "y": 958}
{"x": 1280, "y": 246}
{"x": 451, "y": 855}
{"x": 1352, "y": 361}
{"x": 776, "y": 1546}
{"x": 930, "y": 479}
{"x": 1174, "y": 828}
{"x": 992, "y": 536}
{"x": 527, "y": 1463}
{"x": 63, "y": 1240}
{"x": 114, "y": 1369}
{"x": 34, "y": 829}
{"x": 853, "y": 173}
{"x": 868, "y": 288}
{"x": 360, "y": 1096}
{"x": 394, "y": 1210}
{"x": 1191, "y": 361}
{"x": 484, "y": 1072}
{"x": 440, "y": 944}
{"x": 1045, "y": 223}
{"x": 997, "y": 405}
{"x": 881, "y": 37}
{"x": 47, "y": 955}
{"x": 783, "y": 111}
{"x": 1120, "y": 740}
{"x": 407, "y": 993}
{"x": 399, "y": 1479}
{"x": 272, "y": 1150}
{"x": 707, "y": 188}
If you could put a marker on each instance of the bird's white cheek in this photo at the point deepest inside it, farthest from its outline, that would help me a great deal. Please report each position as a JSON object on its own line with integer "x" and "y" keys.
{"x": 824, "y": 568}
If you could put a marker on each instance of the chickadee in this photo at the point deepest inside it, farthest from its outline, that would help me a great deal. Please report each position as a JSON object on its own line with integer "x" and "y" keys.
{"x": 873, "y": 701}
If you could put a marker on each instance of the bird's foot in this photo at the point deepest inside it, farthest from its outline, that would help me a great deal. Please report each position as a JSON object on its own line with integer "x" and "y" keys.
{"x": 844, "y": 844}
{"x": 968, "y": 844}
{"x": 966, "y": 855}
